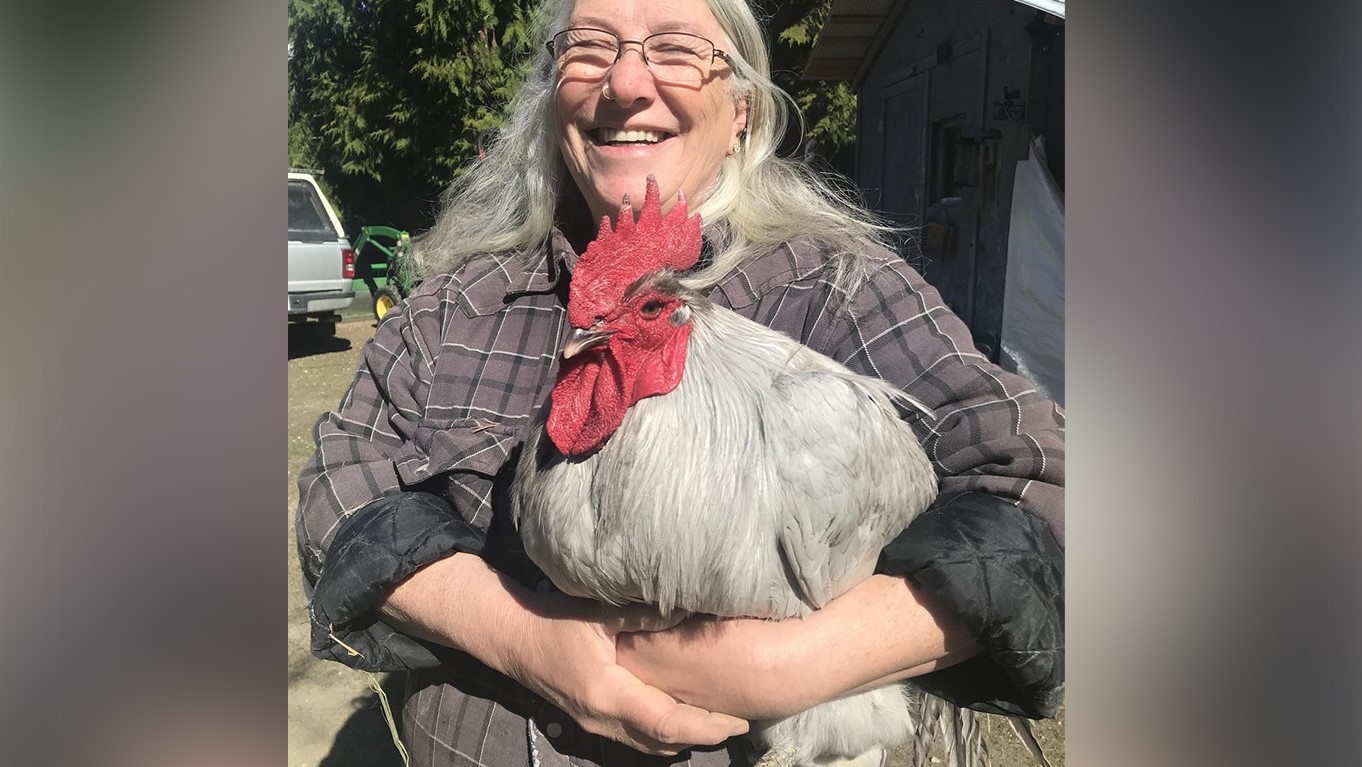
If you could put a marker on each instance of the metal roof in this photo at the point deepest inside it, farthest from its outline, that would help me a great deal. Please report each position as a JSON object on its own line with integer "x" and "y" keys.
{"x": 855, "y": 29}
{"x": 1052, "y": 7}
{"x": 850, "y": 33}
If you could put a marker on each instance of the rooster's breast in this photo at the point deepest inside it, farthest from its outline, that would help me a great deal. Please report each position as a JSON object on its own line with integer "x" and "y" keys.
{"x": 765, "y": 484}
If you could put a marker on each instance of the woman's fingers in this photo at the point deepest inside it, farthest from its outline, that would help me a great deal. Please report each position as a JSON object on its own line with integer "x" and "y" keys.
{"x": 571, "y": 662}
{"x": 653, "y": 721}
{"x": 619, "y": 620}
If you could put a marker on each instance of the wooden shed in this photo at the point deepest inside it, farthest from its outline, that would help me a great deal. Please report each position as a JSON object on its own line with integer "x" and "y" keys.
{"x": 950, "y": 95}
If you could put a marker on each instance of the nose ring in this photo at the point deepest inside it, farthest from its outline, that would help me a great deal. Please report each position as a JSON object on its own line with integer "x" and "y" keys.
{"x": 605, "y": 91}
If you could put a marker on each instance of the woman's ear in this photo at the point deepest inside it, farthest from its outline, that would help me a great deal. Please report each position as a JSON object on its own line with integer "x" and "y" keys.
{"x": 741, "y": 107}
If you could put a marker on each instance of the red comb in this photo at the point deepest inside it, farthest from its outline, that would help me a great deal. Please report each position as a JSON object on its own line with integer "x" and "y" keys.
{"x": 615, "y": 259}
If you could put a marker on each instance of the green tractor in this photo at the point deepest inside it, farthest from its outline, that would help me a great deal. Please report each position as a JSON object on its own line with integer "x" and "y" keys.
{"x": 397, "y": 269}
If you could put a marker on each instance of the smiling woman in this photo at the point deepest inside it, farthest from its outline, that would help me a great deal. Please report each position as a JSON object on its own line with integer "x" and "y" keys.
{"x": 624, "y": 111}
{"x": 407, "y": 545}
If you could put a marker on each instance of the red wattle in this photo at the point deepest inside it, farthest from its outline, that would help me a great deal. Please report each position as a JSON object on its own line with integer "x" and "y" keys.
{"x": 587, "y": 404}
{"x": 594, "y": 391}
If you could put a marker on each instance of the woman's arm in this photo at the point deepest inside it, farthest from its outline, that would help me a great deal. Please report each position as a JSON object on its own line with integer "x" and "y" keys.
{"x": 991, "y": 546}
{"x": 389, "y": 570}
{"x": 881, "y": 631}
{"x": 988, "y": 554}
{"x": 559, "y": 647}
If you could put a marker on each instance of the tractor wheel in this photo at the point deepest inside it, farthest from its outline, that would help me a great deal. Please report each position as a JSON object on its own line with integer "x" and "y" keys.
{"x": 385, "y": 299}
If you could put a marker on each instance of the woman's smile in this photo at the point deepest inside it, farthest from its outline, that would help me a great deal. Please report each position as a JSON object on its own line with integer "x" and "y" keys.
{"x": 618, "y": 128}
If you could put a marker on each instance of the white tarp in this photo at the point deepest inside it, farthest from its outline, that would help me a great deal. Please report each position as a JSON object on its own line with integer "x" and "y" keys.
{"x": 1052, "y": 7}
{"x": 1033, "y": 301}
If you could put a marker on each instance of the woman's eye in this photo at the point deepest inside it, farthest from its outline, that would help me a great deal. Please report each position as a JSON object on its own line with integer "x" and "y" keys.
{"x": 651, "y": 309}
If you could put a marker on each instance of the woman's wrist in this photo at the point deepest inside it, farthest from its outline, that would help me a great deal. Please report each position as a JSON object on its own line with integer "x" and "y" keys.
{"x": 882, "y": 631}
{"x": 462, "y": 603}
{"x": 922, "y": 633}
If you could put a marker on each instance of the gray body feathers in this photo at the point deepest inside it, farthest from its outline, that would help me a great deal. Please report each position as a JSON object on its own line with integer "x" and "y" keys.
{"x": 763, "y": 486}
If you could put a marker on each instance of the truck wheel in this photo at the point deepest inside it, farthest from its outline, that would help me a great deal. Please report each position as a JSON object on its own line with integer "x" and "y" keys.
{"x": 385, "y": 299}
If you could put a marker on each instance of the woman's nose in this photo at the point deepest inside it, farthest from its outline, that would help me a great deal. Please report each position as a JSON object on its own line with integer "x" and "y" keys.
{"x": 629, "y": 79}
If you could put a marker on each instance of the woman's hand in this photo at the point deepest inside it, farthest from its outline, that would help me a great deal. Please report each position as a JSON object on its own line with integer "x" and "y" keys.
{"x": 726, "y": 662}
{"x": 559, "y": 647}
{"x": 881, "y": 631}
{"x": 569, "y": 659}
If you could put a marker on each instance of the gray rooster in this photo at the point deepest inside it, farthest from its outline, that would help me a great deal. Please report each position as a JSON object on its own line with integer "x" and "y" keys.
{"x": 695, "y": 460}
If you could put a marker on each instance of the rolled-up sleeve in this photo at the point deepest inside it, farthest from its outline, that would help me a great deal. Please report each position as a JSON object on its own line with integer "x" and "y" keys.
{"x": 991, "y": 546}
{"x": 360, "y": 529}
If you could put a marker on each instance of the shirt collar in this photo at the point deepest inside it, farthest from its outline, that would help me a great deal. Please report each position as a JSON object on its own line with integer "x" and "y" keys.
{"x": 509, "y": 276}
{"x": 545, "y": 276}
{"x": 503, "y": 277}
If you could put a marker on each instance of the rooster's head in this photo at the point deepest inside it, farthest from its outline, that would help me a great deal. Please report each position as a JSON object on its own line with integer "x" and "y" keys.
{"x": 630, "y": 321}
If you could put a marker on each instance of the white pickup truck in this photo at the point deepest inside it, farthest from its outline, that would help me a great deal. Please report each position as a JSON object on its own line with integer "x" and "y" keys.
{"x": 321, "y": 263}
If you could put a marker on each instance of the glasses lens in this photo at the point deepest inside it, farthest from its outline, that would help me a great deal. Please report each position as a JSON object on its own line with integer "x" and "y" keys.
{"x": 679, "y": 57}
{"x": 584, "y": 52}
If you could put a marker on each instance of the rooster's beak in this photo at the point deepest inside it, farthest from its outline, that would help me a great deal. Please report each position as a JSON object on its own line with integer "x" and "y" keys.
{"x": 580, "y": 340}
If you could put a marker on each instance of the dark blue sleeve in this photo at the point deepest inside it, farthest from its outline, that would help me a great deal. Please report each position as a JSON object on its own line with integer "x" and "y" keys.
{"x": 1002, "y": 571}
{"x": 375, "y": 549}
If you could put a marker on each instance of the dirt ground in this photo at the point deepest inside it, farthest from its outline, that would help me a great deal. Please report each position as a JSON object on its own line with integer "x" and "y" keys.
{"x": 334, "y": 717}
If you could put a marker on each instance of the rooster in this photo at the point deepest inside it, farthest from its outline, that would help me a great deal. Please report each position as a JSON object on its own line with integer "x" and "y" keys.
{"x": 694, "y": 460}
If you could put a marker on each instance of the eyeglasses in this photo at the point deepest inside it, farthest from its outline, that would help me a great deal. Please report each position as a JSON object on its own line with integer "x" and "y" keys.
{"x": 676, "y": 57}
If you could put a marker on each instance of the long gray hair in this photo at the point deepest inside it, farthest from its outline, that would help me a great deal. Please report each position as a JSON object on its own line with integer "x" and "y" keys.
{"x": 508, "y": 201}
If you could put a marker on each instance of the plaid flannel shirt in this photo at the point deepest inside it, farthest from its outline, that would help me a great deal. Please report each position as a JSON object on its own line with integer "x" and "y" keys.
{"x": 451, "y": 382}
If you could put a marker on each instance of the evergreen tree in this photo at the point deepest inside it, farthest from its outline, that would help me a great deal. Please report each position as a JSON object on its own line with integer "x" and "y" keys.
{"x": 389, "y": 97}
{"x": 827, "y": 106}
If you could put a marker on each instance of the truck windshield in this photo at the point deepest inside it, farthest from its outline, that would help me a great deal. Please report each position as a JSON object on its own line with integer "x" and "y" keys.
{"x": 307, "y": 220}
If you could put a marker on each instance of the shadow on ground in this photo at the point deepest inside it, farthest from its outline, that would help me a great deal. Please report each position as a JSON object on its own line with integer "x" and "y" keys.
{"x": 364, "y": 740}
{"x": 307, "y": 339}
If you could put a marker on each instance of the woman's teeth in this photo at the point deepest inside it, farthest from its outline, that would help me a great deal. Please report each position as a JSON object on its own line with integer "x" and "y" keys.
{"x": 611, "y": 136}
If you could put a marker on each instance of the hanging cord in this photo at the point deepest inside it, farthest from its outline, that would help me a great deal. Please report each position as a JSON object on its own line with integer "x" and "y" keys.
{"x": 382, "y": 697}
{"x": 388, "y": 715}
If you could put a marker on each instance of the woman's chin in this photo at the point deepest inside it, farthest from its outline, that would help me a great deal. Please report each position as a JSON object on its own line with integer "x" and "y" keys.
{"x": 609, "y": 192}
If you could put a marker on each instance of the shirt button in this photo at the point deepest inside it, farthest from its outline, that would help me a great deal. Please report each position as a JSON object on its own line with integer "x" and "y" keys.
{"x": 544, "y": 587}
{"x": 553, "y": 729}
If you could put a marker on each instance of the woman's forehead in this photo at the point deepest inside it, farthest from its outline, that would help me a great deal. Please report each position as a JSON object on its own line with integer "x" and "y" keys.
{"x": 646, "y": 16}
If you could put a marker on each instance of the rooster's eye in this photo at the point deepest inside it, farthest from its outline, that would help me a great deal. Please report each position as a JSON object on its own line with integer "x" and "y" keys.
{"x": 650, "y": 310}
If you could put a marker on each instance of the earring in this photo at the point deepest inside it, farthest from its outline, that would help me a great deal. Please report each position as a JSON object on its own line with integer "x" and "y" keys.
{"x": 737, "y": 147}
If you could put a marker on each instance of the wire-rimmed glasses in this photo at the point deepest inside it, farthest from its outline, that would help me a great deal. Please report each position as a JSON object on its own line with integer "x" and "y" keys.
{"x": 675, "y": 57}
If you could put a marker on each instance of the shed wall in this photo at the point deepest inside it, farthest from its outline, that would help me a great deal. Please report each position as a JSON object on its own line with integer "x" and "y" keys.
{"x": 934, "y": 154}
